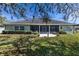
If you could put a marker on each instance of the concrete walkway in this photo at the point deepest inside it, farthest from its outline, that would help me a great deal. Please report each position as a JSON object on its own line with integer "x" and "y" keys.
{"x": 47, "y": 35}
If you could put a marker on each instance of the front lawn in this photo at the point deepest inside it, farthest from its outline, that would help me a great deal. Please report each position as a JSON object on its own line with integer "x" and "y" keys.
{"x": 65, "y": 44}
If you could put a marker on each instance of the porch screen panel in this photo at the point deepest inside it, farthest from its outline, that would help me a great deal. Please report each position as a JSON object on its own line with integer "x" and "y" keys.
{"x": 21, "y": 27}
{"x": 34, "y": 28}
{"x": 54, "y": 28}
{"x": 57, "y": 28}
{"x": 44, "y": 28}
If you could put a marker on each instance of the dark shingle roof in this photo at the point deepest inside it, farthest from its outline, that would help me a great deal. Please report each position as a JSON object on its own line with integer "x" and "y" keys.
{"x": 39, "y": 22}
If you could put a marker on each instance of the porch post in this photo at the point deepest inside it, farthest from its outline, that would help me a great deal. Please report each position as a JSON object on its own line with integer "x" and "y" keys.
{"x": 73, "y": 29}
{"x": 49, "y": 31}
{"x": 39, "y": 29}
{"x": 59, "y": 28}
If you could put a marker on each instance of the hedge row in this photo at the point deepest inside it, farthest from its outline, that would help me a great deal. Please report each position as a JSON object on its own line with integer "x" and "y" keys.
{"x": 62, "y": 32}
{"x": 19, "y": 32}
{"x": 26, "y": 32}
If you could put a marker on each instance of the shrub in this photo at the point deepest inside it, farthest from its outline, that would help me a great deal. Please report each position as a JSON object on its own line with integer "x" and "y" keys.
{"x": 7, "y": 32}
{"x": 62, "y": 45}
{"x": 18, "y": 32}
{"x": 35, "y": 32}
{"x": 62, "y": 32}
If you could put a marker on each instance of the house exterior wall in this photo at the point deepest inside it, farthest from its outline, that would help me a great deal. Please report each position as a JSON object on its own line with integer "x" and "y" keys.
{"x": 27, "y": 28}
{"x": 77, "y": 28}
{"x": 9, "y": 28}
{"x": 68, "y": 29}
{"x": 12, "y": 28}
{"x": 1, "y": 29}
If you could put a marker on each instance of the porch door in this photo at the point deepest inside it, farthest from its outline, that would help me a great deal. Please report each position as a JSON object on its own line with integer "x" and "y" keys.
{"x": 44, "y": 29}
{"x": 54, "y": 28}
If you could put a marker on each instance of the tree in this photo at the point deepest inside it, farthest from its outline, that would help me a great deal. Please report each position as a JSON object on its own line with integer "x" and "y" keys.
{"x": 2, "y": 19}
{"x": 42, "y": 9}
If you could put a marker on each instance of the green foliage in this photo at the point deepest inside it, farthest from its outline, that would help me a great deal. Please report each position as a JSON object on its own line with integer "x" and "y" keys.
{"x": 62, "y": 32}
{"x": 62, "y": 45}
{"x": 2, "y": 19}
{"x": 19, "y": 32}
{"x": 46, "y": 20}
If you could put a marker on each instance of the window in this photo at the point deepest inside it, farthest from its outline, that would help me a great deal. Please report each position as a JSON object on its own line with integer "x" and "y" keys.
{"x": 61, "y": 27}
{"x": 19, "y": 27}
{"x": 54, "y": 28}
{"x": 16, "y": 27}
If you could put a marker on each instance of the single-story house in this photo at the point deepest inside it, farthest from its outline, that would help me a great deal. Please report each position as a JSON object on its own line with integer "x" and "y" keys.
{"x": 77, "y": 27}
{"x": 41, "y": 27}
{"x": 1, "y": 28}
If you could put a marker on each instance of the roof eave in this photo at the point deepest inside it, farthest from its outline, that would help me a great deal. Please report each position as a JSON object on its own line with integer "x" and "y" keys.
{"x": 37, "y": 24}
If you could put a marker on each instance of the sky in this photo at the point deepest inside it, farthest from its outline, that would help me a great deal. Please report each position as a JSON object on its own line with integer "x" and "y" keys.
{"x": 29, "y": 14}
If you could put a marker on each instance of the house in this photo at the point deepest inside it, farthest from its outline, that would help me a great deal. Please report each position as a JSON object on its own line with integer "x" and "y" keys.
{"x": 77, "y": 28}
{"x": 1, "y": 28}
{"x": 41, "y": 27}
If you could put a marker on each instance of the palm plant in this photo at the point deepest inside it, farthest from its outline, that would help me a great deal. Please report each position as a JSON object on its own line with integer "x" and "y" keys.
{"x": 46, "y": 20}
{"x": 33, "y": 18}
